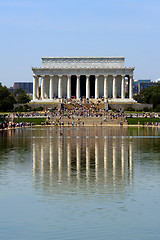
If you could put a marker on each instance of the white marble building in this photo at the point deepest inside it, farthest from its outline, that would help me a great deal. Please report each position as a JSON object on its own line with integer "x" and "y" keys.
{"x": 89, "y": 77}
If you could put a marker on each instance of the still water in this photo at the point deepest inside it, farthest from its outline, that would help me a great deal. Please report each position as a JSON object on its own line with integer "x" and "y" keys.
{"x": 80, "y": 183}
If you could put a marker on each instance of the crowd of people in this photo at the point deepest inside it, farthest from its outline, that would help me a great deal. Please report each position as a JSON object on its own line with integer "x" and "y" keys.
{"x": 78, "y": 110}
{"x": 12, "y": 125}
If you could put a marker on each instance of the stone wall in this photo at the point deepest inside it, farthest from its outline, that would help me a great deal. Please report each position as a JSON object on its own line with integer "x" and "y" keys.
{"x": 44, "y": 105}
{"x": 136, "y": 106}
{"x": 36, "y": 105}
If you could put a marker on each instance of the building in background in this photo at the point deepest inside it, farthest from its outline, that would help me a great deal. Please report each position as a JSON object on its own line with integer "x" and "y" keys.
{"x": 26, "y": 86}
{"x": 157, "y": 80}
{"x": 142, "y": 86}
{"x": 11, "y": 89}
{"x": 139, "y": 85}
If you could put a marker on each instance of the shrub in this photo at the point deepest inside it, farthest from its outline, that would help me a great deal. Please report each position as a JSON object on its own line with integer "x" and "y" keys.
{"x": 130, "y": 109}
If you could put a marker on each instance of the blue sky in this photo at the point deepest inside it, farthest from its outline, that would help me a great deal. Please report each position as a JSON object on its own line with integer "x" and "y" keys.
{"x": 30, "y": 29}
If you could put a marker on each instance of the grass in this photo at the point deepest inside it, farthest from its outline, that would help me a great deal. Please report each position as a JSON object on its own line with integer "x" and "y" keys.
{"x": 132, "y": 121}
{"x": 36, "y": 121}
{"x": 2, "y": 119}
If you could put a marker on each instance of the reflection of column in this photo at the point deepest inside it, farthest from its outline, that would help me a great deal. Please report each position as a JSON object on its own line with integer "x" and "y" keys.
{"x": 105, "y": 157}
{"x": 78, "y": 153}
{"x": 114, "y": 87}
{"x": 78, "y": 88}
{"x": 96, "y": 87}
{"x": 130, "y": 161}
{"x": 51, "y": 158}
{"x": 42, "y": 161}
{"x": 87, "y": 159}
{"x": 114, "y": 162}
{"x": 34, "y": 159}
{"x": 96, "y": 159}
{"x": 60, "y": 157}
{"x": 122, "y": 159}
{"x": 60, "y": 87}
{"x": 69, "y": 160}
{"x": 69, "y": 87}
{"x": 87, "y": 87}
{"x": 123, "y": 87}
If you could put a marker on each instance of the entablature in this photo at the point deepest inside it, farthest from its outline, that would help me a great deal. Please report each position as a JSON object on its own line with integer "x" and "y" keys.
{"x": 83, "y": 71}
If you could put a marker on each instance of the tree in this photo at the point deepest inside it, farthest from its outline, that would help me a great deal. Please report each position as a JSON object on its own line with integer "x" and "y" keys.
{"x": 150, "y": 95}
{"x": 6, "y": 99}
{"x": 21, "y": 96}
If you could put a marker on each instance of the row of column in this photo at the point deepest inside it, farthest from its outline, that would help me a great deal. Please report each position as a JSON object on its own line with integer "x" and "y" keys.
{"x": 51, "y": 87}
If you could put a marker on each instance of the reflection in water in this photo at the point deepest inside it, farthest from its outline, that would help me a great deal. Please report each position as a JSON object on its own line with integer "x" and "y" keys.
{"x": 73, "y": 183}
{"x": 87, "y": 160}
{"x": 69, "y": 160}
{"x": 91, "y": 162}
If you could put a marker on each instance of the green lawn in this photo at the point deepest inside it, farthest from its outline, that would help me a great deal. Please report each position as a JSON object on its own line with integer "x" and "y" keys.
{"x": 36, "y": 121}
{"x": 142, "y": 120}
{"x": 2, "y": 119}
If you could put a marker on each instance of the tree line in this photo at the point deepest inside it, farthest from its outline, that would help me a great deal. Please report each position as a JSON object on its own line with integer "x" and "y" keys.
{"x": 8, "y": 99}
{"x": 150, "y": 95}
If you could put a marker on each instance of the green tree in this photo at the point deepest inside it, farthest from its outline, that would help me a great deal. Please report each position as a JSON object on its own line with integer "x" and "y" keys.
{"x": 21, "y": 96}
{"x": 150, "y": 95}
{"x": 6, "y": 99}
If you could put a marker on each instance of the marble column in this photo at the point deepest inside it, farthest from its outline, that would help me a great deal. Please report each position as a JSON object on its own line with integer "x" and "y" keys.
{"x": 51, "y": 88}
{"x": 37, "y": 87}
{"x": 96, "y": 87}
{"x": 69, "y": 87}
{"x": 105, "y": 87}
{"x": 34, "y": 87}
{"x": 87, "y": 87}
{"x": 78, "y": 87}
{"x": 114, "y": 87}
{"x": 60, "y": 87}
{"x": 130, "y": 87}
{"x": 42, "y": 87}
{"x": 46, "y": 88}
{"x": 123, "y": 87}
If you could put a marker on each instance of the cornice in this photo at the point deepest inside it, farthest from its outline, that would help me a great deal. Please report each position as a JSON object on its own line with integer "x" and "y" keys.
{"x": 82, "y": 68}
{"x": 81, "y": 57}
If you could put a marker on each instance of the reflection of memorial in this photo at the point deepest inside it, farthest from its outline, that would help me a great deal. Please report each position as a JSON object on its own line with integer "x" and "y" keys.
{"x": 94, "y": 163}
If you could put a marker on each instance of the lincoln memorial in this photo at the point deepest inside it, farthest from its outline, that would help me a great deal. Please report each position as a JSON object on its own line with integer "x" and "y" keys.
{"x": 82, "y": 77}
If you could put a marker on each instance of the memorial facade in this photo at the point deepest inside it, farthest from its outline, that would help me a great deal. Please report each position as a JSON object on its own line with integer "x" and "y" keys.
{"x": 78, "y": 77}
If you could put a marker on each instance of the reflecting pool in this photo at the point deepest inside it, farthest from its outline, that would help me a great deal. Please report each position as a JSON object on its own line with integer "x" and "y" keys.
{"x": 80, "y": 183}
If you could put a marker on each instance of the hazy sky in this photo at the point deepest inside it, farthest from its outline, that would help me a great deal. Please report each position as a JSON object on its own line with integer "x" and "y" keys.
{"x": 30, "y": 29}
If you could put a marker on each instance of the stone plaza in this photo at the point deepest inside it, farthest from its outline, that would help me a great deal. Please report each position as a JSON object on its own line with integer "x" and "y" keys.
{"x": 82, "y": 77}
